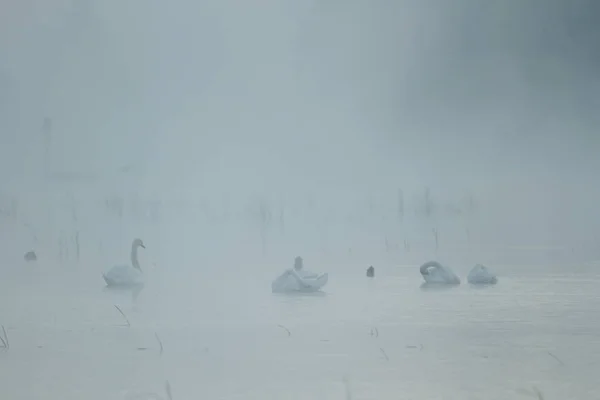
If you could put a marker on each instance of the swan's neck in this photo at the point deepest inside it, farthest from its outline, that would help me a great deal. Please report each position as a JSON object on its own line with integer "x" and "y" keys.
{"x": 134, "y": 258}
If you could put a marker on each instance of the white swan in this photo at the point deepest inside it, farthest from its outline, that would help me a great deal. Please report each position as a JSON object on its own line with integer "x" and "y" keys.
{"x": 126, "y": 275}
{"x": 434, "y": 273}
{"x": 480, "y": 275}
{"x": 299, "y": 280}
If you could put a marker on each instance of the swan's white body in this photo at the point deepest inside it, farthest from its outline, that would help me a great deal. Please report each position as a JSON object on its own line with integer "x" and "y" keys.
{"x": 299, "y": 281}
{"x": 435, "y": 273}
{"x": 480, "y": 275}
{"x": 123, "y": 275}
{"x": 126, "y": 275}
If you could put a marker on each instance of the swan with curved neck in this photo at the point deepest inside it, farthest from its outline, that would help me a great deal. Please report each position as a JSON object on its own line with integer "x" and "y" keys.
{"x": 435, "y": 273}
{"x": 481, "y": 275}
{"x": 299, "y": 280}
{"x": 126, "y": 275}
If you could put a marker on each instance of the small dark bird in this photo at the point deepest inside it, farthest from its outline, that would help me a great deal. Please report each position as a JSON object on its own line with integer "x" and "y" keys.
{"x": 30, "y": 256}
{"x": 371, "y": 272}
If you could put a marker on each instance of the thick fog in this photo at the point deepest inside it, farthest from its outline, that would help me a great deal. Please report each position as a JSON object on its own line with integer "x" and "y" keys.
{"x": 315, "y": 109}
{"x": 232, "y": 136}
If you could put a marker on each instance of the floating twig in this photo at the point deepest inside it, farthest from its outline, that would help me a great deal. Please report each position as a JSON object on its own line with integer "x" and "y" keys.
{"x": 286, "y": 329}
{"x": 375, "y": 332}
{"x": 384, "y": 354}
{"x": 159, "y": 342}
{"x": 556, "y": 358}
{"x": 124, "y": 316}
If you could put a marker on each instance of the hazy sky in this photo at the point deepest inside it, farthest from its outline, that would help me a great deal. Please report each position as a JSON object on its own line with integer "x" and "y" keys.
{"x": 317, "y": 94}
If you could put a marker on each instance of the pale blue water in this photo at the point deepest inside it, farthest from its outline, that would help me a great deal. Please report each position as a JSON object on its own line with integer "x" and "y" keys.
{"x": 227, "y": 338}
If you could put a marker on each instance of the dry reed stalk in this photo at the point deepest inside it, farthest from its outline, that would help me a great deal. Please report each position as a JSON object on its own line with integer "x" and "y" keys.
{"x": 347, "y": 387}
{"x": 4, "y": 339}
{"x": 124, "y": 316}
{"x": 556, "y": 358}
{"x": 286, "y": 329}
{"x": 384, "y": 354}
{"x": 168, "y": 390}
{"x": 159, "y": 342}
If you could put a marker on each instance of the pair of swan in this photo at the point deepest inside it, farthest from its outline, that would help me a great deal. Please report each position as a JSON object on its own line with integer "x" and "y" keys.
{"x": 293, "y": 280}
{"x": 435, "y": 273}
{"x": 127, "y": 275}
{"x": 299, "y": 280}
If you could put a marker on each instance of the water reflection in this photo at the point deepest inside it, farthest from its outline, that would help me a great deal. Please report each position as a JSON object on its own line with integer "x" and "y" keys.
{"x": 134, "y": 290}
{"x": 301, "y": 294}
{"x": 426, "y": 286}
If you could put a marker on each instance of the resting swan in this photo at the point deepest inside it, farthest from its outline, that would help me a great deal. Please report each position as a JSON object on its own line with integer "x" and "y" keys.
{"x": 299, "y": 280}
{"x": 480, "y": 275}
{"x": 434, "y": 273}
{"x": 126, "y": 275}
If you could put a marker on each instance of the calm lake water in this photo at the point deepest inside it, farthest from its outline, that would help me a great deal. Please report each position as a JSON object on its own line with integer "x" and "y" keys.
{"x": 230, "y": 338}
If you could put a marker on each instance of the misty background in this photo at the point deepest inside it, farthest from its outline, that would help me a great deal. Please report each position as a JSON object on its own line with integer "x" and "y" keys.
{"x": 313, "y": 127}
{"x": 232, "y": 136}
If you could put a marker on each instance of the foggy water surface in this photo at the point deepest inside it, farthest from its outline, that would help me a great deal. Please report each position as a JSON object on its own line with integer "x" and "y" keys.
{"x": 228, "y": 339}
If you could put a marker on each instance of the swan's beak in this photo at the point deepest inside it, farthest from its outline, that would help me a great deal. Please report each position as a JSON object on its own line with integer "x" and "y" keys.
{"x": 142, "y": 246}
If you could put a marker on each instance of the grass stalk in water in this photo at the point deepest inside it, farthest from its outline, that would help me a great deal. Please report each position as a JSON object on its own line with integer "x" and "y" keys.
{"x": 168, "y": 390}
{"x": 159, "y": 342}
{"x": 5, "y": 343}
{"x": 124, "y": 316}
{"x": 77, "y": 252}
{"x": 384, "y": 354}
{"x": 347, "y": 388}
{"x": 286, "y": 329}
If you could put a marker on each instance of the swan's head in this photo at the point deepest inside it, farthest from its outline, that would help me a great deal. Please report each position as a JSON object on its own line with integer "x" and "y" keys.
{"x": 138, "y": 243}
{"x": 298, "y": 263}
